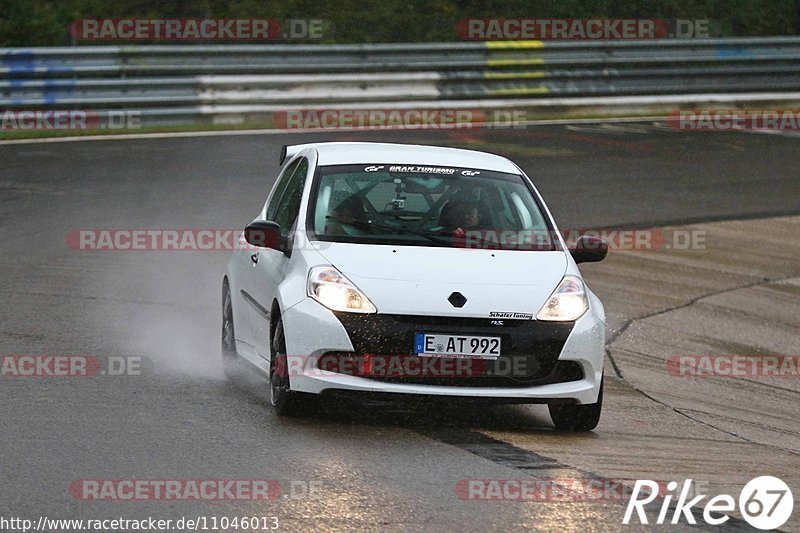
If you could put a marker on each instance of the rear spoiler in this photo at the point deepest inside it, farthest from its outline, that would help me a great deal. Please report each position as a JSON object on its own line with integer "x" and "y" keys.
{"x": 289, "y": 151}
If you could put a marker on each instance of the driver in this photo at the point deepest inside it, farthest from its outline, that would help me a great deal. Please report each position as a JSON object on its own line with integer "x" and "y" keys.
{"x": 349, "y": 209}
{"x": 460, "y": 217}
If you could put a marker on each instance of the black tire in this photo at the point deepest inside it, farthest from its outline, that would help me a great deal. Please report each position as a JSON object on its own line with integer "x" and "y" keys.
{"x": 285, "y": 401}
{"x": 577, "y": 417}
{"x": 229, "y": 358}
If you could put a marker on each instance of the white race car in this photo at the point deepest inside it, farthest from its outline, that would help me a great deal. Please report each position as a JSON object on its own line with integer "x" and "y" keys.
{"x": 406, "y": 269}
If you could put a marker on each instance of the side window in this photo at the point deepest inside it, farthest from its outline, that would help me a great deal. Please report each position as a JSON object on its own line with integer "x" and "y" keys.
{"x": 289, "y": 206}
{"x": 283, "y": 181}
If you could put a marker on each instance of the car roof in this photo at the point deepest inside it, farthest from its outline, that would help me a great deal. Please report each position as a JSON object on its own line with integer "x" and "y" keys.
{"x": 344, "y": 153}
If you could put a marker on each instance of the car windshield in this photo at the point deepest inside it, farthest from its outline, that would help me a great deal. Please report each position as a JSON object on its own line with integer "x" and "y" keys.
{"x": 426, "y": 206}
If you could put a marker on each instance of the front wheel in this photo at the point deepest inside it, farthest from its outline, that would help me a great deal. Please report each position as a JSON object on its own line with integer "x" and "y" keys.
{"x": 283, "y": 399}
{"x": 583, "y": 417}
{"x": 229, "y": 357}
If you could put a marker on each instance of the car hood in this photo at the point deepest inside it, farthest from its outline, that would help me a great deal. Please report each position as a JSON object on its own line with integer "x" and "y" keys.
{"x": 418, "y": 280}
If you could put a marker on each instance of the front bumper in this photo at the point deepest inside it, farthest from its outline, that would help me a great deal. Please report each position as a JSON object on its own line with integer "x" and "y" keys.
{"x": 558, "y": 361}
{"x": 530, "y": 350}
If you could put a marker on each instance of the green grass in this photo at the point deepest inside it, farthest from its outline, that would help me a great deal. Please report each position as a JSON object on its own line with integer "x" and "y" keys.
{"x": 40, "y": 134}
{"x": 247, "y": 125}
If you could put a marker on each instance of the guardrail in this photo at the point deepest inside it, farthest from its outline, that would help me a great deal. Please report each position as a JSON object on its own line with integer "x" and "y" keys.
{"x": 174, "y": 84}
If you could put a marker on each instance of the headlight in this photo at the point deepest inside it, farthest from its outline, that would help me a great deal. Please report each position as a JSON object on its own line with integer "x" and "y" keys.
{"x": 567, "y": 303}
{"x": 329, "y": 287}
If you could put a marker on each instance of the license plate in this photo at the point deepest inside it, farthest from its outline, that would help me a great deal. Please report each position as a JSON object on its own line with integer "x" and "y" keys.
{"x": 426, "y": 345}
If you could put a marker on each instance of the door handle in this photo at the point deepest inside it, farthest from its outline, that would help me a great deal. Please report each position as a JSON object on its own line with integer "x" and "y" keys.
{"x": 254, "y": 258}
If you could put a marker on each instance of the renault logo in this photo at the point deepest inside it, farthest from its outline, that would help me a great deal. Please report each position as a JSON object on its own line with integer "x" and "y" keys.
{"x": 457, "y": 299}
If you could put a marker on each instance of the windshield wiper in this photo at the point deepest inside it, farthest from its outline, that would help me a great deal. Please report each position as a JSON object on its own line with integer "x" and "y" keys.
{"x": 363, "y": 224}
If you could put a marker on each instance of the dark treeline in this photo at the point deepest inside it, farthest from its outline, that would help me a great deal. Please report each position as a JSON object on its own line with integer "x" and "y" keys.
{"x": 46, "y": 22}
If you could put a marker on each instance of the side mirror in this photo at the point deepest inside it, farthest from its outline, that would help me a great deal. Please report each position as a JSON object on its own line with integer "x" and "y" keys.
{"x": 589, "y": 249}
{"x": 264, "y": 234}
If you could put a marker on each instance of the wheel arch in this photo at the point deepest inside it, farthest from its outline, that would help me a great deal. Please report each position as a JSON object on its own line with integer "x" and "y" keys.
{"x": 274, "y": 317}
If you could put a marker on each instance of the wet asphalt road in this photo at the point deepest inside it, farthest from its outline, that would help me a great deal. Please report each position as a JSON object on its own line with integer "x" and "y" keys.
{"x": 371, "y": 466}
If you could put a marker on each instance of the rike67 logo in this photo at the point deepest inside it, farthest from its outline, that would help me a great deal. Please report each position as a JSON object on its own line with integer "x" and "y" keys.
{"x": 765, "y": 503}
